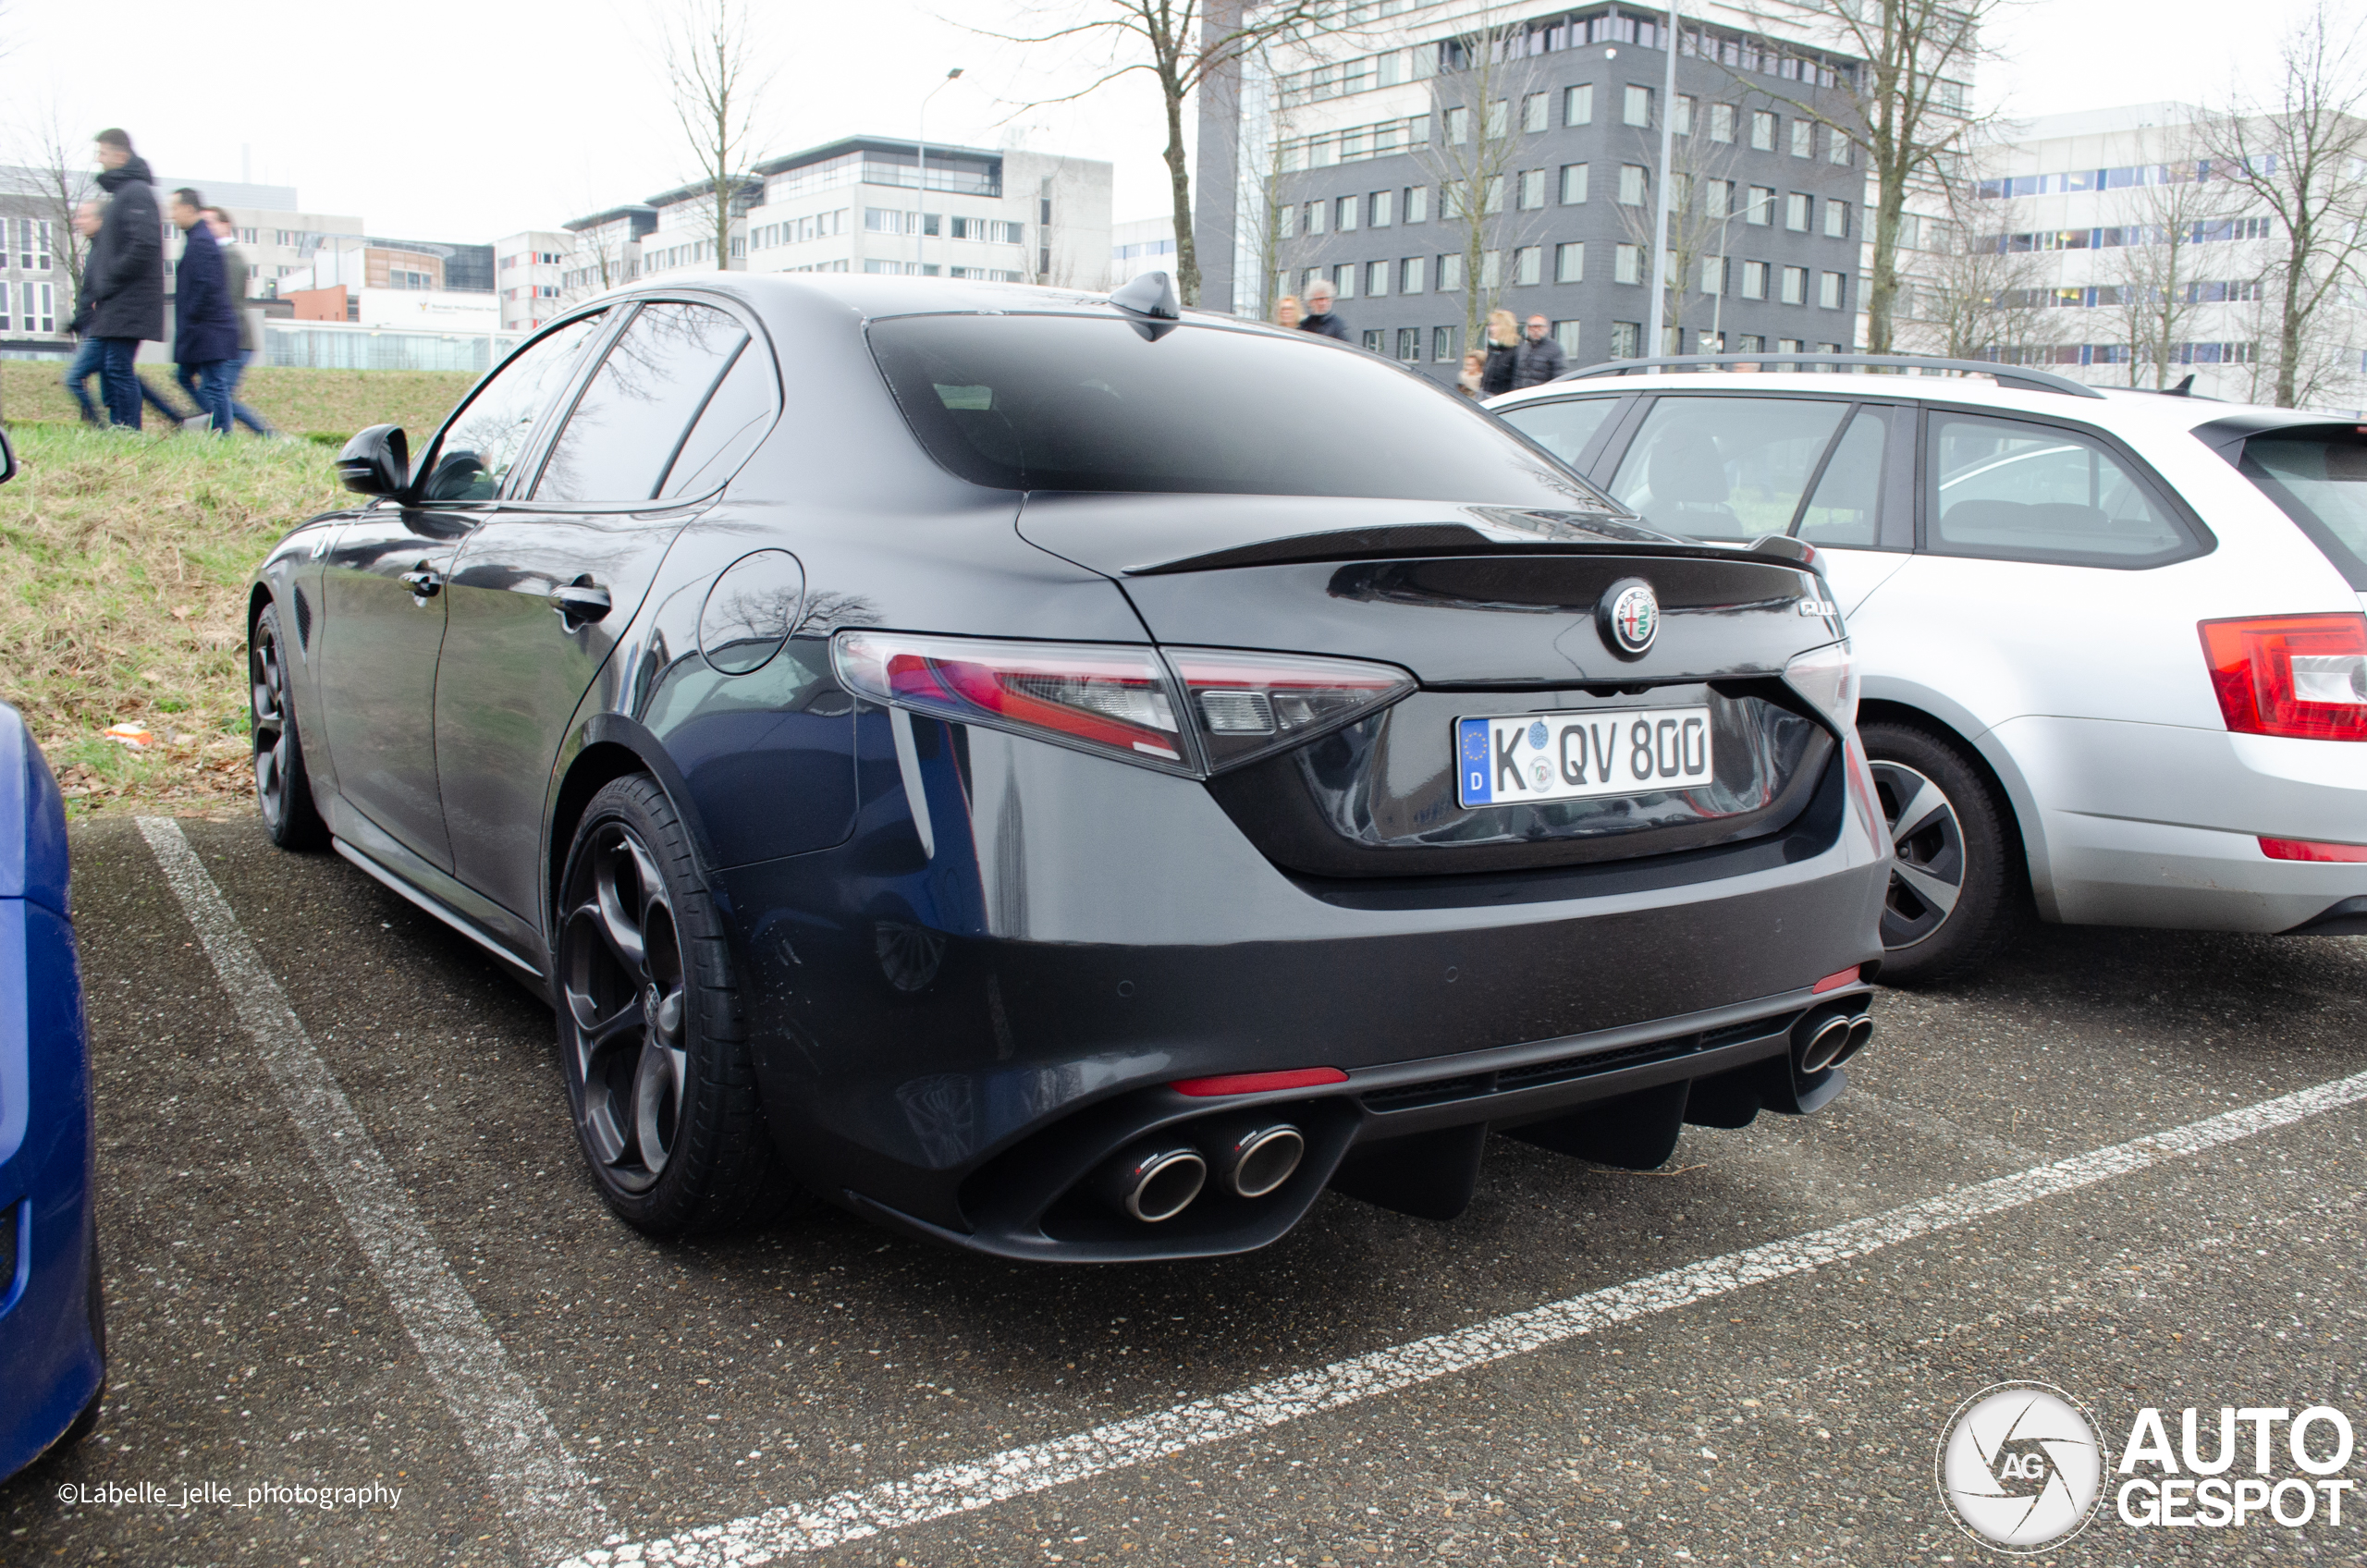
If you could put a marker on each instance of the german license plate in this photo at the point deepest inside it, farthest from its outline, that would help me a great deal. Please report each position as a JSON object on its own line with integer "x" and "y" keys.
{"x": 1524, "y": 758}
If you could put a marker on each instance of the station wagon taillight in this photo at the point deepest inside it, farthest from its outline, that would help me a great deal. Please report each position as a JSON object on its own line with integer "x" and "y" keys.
{"x": 2303, "y": 677}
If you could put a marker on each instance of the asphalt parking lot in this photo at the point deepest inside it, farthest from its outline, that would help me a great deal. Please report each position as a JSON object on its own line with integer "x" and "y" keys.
{"x": 282, "y": 1314}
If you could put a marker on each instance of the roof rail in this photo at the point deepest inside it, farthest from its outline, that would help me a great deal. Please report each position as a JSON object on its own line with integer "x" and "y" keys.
{"x": 2019, "y": 377}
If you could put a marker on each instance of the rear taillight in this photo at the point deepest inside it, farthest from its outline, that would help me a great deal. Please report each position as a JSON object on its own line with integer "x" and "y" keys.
{"x": 1827, "y": 677}
{"x": 1121, "y": 701}
{"x": 2299, "y": 676}
{"x": 1249, "y": 704}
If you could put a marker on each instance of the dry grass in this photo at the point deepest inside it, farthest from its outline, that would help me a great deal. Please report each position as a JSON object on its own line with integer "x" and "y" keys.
{"x": 123, "y": 567}
{"x": 326, "y": 404}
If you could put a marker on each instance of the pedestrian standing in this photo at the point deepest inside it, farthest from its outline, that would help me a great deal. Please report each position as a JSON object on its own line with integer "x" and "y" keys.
{"x": 1538, "y": 359}
{"x": 124, "y": 278}
{"x": 1286, "y": 311}
{"x": 1318, "y": 317}
{"x": 1503, "y": 343}
{"x": 85, "y": 362}
{"x": 205, "y": 325}
{"x": 235, "y": 274}
{"x": 1475, "y": 365}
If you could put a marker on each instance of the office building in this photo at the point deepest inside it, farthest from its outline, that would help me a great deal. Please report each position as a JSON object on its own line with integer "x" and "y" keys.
{"x": 1141, "y": 245}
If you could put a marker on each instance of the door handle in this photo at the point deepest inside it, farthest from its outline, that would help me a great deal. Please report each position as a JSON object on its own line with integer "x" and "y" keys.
{"x": 579, "y": 603}
{"x": 423, "y": 583}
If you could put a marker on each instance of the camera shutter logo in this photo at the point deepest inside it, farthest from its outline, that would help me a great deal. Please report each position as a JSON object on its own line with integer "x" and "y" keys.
{"x": 2019, "y": 1466}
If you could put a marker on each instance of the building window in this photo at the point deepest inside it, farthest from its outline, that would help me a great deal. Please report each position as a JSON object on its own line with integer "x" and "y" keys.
{"x": 1796, "y": 286}
{"x": 1830, "y": 349}
{"x": 1762, "y": 130}
{"x": 1713, "y": 275}
{"x": 1371, "y": 344}
{"x": 1578, "y": 105}
{"x": 1625, "y": 337}
{"x": 1565, "y": 332}
{"x": 1417, "y": 204}
{"x": 1722, "y": 122}
{"x": 1409, "y": 343}
{"x": 1574, "y": 184}
{"x": 1751, "y": 343}
{"x": 1345, "y": 215}
{"x": 1532, "y": 190}
{"x": 1450, "y": 275}
{"x": 1628, "y": 264}
{"x": 1754, "y": 280}
{"x": 1458, "y": 126}
{"x": 1528, "y": 265}
{"x": 1636, "y": 106}
{"x": 1717, "y": 198}
{"x": 1491, "y": 270}
{"x": 1384, "y": 208}
{"x": 1631, "y": 185}
{"x": 1762, "y": 206}
{"x": 1828, "y": 290}
{"x": 1570, "y": 262}
{"x": 1836, "y": 219}
{"x": 1499, "y": 119}
{"x": 1836, "y": 148}
{"x": 1442, "y": 345}
{"x": 1684, "y": 123}
{"x": 1796, "y": 213}
{"x": 1286, "y": 222}
{"x": 1376, "y": 279}
{"x": 1803, "y": 138}
{"x": 1319, "y": 218}
{"x": 1492, "y": 195}
{"x": 1536, "y": 112}
{"x": 1409, "y": 273}
{"x": 1789, "y": 345}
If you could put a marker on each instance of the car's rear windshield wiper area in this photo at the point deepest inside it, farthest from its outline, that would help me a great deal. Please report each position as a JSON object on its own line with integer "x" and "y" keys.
{"x": 1088, "y": 403}
{"x": 2318, "y": 475}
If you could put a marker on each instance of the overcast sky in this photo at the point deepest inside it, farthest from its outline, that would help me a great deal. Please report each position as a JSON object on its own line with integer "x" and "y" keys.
{"x": 469, "y": 119}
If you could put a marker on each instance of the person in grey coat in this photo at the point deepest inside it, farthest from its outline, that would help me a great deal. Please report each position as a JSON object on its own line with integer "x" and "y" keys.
{"x": 235, "y": 273}
{"x": 124, "y": 278}
{"x": 1538, "y": 359}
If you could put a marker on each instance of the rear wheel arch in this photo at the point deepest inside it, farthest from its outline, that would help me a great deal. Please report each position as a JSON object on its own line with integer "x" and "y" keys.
{"x": 2004, "y": 779}
{"x": 596, "y": 766}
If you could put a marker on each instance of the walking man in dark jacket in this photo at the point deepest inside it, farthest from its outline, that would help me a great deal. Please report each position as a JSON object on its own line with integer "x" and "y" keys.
{"x": 1319, "y": 316}
{"x": 205, "y": 324}
{"x": 124, "y": 278}
{"x": 1538, "y": 359}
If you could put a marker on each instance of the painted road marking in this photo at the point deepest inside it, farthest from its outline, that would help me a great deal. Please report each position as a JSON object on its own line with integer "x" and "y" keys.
{"x": 535, "y": 1481}
{"x": 959, "y": 1489}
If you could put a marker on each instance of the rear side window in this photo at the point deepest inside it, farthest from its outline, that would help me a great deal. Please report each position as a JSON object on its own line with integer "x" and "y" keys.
{"x": 1847, "y": 507}
{"x": 630, "y": 423}
{"x": 2015, "y": 491}
{"x": 2320, "y": 480}
{"x": 1563, "y": 428}
{"x": 1022, "y": 402}
{"x": 734, "y": 420}
{"x": 1725, "y": 468}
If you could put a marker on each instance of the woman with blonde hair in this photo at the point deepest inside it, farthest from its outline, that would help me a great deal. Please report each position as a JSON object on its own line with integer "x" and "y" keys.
{"x": 1503, "y": 347}
{"x": 1286, "y": 311}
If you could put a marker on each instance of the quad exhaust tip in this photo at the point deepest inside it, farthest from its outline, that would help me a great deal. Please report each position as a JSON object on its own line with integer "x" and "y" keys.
{"x": 1834, "y": 1040}
{"x": 1154, "y": 1180}
{"x": 1254, "y": 1158}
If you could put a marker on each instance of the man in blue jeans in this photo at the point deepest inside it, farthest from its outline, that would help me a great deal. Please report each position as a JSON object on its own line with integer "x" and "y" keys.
{"x": 86, "y": 362}
{"x": 236, "y": 272}
{"x": 205, "y": 325}
{"x": 124, "y": 279}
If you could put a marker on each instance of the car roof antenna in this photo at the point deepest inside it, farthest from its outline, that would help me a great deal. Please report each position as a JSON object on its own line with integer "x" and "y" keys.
{"x": 2184, "y": 388}
{"x": 1152, "y": 294}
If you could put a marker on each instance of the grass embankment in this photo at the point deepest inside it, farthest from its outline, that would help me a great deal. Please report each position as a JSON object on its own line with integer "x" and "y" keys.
{"x": 330, "y": 404}
{"x": 123, "y": 567}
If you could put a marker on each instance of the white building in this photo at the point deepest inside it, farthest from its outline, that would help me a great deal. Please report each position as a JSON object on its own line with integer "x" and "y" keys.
{"x": 1141, "y": 245}
{"x": 604, "y": 249}
{"x": 879, "y": 204}
{"x": 529, "y": 274}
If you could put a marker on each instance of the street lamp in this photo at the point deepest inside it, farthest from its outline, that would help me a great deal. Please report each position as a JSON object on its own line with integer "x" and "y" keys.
{"x": 920, "y": 196}
{"x": 1658, "y": 344}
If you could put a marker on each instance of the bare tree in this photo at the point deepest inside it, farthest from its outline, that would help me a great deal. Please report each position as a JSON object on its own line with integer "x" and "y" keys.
{"x": 717, "y": 92}
{"x": 2157, "y": 289}
{"x": 1982, "y": 297}
{"x": 1903, "y": 110}
{"x": 2301, "y": 157}
{"x": 1183, "y": 43}
{"x": 1697, "y": 217}
{"x": 1476, "y": 102}
{"x": 58, "y": 164}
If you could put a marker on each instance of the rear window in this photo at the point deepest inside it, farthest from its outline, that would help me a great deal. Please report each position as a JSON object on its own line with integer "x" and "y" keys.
{"x": 2319, "y": 477}
{"x": 1023, "y": 402}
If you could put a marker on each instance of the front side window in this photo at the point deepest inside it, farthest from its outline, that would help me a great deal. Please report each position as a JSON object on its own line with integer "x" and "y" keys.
{"x": 484, "y": 441}
{"x": 1725, "y": 468}
{"x": 1024, "y": 402}
{"x": 1563, "y": 427}
{"x": 627, "y": 426}
{"x": 2009, "y": 490}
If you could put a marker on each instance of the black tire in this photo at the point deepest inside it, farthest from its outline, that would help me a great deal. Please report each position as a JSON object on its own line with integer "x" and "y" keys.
{"x": 1957, "y": 891}
{"x": 283, "y": 787}
{"x": 660, "y": 1077}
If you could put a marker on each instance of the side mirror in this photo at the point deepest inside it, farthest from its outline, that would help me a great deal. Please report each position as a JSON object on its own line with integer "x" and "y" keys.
{"x": 7, "y": 459}
{"x": 376, "y": 462}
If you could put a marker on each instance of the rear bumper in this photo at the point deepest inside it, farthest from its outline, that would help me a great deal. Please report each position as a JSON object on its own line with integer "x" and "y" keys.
{"x": 2159, "y": 826}
{"x": 1078, "y": 934}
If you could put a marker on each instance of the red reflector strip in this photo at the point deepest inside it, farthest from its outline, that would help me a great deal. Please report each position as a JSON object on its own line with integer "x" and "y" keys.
{"x": 2305, "y": 849}
{"x": 1261, "y": 1082}
{"x": 1834, "y": 982}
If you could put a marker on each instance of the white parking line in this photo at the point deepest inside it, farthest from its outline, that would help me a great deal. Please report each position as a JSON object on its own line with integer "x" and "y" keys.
{"x": 535, "y": 1480}
{"x": 957, "y": 1488}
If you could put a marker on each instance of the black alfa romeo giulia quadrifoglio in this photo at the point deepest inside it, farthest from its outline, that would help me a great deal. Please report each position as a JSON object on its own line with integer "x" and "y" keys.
{"x": 1067, "y": 778}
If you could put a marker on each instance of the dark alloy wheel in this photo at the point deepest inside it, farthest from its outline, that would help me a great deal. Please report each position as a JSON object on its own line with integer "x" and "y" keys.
{"x": 283, "y": 788}
{"x": 1956, "y": 895}
{"x": 659, "y": 1073}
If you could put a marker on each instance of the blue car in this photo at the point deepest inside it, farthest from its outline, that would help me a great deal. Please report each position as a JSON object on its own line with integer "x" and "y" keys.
{"x": 52, "y": 1331}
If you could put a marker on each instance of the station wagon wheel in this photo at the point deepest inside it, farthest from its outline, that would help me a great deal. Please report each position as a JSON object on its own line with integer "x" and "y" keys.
{"x": 1956, "y": 893}
{"x": 283, "y": 787}
{"x": 659, "y": 1075}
